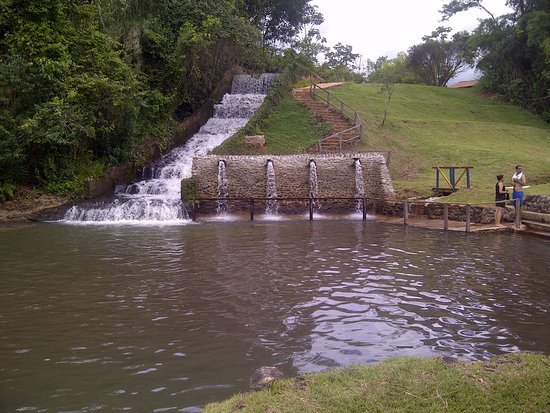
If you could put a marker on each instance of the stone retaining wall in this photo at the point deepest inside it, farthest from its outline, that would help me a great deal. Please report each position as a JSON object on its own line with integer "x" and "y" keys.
{"x": 247, "y": 176}
{"x": 479, "y": 214}
{"x": 537, "y": 203}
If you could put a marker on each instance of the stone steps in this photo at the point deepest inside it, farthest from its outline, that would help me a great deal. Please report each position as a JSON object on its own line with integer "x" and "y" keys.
{"x": 535, "y": 216}
{"x": 326, "y": 114}
{"x": 536, "y": 223}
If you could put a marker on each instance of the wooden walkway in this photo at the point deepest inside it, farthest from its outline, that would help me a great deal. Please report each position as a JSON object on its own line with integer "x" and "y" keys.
{"x": 438, "y": 224}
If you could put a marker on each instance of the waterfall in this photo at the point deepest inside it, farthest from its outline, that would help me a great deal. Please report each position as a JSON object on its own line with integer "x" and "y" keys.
{"x": 359, "y": 185}
{"x": 313, "y": 190}
{"x": 253, "y": 84}
{"x": 272, "y": 206}
{"x": 157, "y": 196}
{"x": 222, "y": 188}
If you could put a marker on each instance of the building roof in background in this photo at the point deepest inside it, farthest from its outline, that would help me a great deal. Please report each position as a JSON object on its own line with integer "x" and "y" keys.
{"x": 465, "y": 83}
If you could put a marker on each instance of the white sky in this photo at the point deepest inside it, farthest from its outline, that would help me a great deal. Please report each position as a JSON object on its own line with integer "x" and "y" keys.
{"x": 377, "y": 28}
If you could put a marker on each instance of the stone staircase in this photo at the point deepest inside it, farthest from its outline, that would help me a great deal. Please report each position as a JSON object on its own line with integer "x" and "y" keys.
{"x": 338, "y": 134}
{"x": 536, "y": 223}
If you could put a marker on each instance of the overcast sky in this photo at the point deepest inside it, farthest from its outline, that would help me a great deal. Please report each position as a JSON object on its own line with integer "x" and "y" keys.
{"x": 377, "y": 28}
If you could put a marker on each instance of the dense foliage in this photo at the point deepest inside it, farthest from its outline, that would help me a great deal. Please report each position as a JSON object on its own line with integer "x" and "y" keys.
{"x": 67, "y": 99}
{"x": 514, "y": 55}
{"x": 85, "y": 84}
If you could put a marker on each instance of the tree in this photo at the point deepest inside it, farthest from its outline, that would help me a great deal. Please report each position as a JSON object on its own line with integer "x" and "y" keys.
{"x": 457, "y": 6}
{"x": 437, "y": 60}
{"x": 388, "y": 73}
{"x": 309, "y": 41}
{"x": 278, "y": 20}
{"x": 513, "y": 52}
{"x": 341, "y": 56}
{"x": 340, "y": 64}
{"x": 85, "y": 85}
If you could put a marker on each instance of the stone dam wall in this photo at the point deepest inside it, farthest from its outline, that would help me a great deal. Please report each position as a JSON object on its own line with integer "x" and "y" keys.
{"x": 336, "y": 178}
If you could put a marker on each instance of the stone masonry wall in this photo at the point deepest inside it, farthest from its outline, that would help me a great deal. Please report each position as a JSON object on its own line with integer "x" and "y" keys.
{"x": 537, "y": 203}
{"x": 247, "y": 175}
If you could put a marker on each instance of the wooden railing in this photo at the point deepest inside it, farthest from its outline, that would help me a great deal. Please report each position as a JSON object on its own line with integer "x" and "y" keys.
{"x": 345, "y": 110}
{"x": 468, "y": 208}
{"x": 342, "y": 140}
{"x": 406, "y": 204}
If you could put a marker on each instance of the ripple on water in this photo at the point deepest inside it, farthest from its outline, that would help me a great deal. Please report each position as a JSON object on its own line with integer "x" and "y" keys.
{"x": 169, "y": 310}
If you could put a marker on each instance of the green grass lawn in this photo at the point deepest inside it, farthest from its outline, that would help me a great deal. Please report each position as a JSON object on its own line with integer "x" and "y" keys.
{"x": 291, "y": 128}
{"x": 426, "y": 127}
{"x": 430, "y": 126}
{"x": 506, "y": 384}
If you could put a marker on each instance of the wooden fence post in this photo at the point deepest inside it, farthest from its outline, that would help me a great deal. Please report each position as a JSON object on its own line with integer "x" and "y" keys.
{"x": 518, "y": 213}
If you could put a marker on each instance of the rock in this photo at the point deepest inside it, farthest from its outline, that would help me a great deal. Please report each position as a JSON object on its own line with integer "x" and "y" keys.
{"x": 264, "y": 377}
{"x": 254, "y": 141}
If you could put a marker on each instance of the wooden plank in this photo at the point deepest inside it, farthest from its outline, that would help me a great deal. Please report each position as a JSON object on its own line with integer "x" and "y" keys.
{"x": 444, "y": 177}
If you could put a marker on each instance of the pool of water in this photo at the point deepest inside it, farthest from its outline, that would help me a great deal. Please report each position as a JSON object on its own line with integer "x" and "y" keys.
{"x": 168, "y": 318}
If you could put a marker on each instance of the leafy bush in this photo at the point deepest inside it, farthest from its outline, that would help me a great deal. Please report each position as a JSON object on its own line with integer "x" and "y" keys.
{"x": 7, "y": 191}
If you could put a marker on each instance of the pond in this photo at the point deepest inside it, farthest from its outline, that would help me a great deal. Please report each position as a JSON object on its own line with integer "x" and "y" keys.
{"x": 169, "y": 318}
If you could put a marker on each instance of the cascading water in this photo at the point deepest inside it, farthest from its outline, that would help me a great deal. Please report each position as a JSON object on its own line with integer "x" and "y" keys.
{"x": 272, "y": 206}
{"x": 313, "y": 186}
{"x": 359, "y": 185}
{"x": 157, "y": 196}
{"x": 222, "y": 188}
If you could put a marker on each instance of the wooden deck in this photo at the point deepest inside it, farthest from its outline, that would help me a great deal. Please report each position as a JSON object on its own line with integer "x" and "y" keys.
{"x": 438, "y": 224}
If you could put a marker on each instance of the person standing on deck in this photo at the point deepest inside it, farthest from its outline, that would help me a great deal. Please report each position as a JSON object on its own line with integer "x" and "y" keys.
{"x": 500, "y": 198}
{"x": 518, "y": 182}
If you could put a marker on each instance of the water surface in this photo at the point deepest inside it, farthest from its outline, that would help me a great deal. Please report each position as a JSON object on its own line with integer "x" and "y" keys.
{"x": 168, "y": 318}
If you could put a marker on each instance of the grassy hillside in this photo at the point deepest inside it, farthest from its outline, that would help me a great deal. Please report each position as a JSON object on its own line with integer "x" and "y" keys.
{"x": 291, "y": 128}
{"x": 427, "y": 127}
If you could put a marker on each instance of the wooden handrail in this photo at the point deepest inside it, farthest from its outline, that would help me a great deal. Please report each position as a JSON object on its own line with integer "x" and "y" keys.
{"x": 356, "y": 119}
{"x": 339, "y": 106}
{"x": 406, "y": 204}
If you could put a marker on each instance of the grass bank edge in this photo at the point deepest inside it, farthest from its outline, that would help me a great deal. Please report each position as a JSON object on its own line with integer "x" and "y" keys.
{"x": 517, "y": 382}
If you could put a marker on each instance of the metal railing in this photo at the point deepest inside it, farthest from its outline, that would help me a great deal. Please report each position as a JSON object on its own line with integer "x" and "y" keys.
{"x": 364, "y": 202}
{"x": 468, "y": 208}
{"x": 311, "y": 201}
{"x": 354, "y": 133}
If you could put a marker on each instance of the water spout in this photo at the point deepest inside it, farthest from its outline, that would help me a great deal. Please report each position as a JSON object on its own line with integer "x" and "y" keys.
{"x": 359, "y": 185}
{"x": 313, "y": 185}
{"x": 222, "y": 188}
{"x": 272, "y": 206}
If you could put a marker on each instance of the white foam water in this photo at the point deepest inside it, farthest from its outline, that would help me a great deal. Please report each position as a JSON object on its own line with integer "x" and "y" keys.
{"x": 157, "y": 199}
